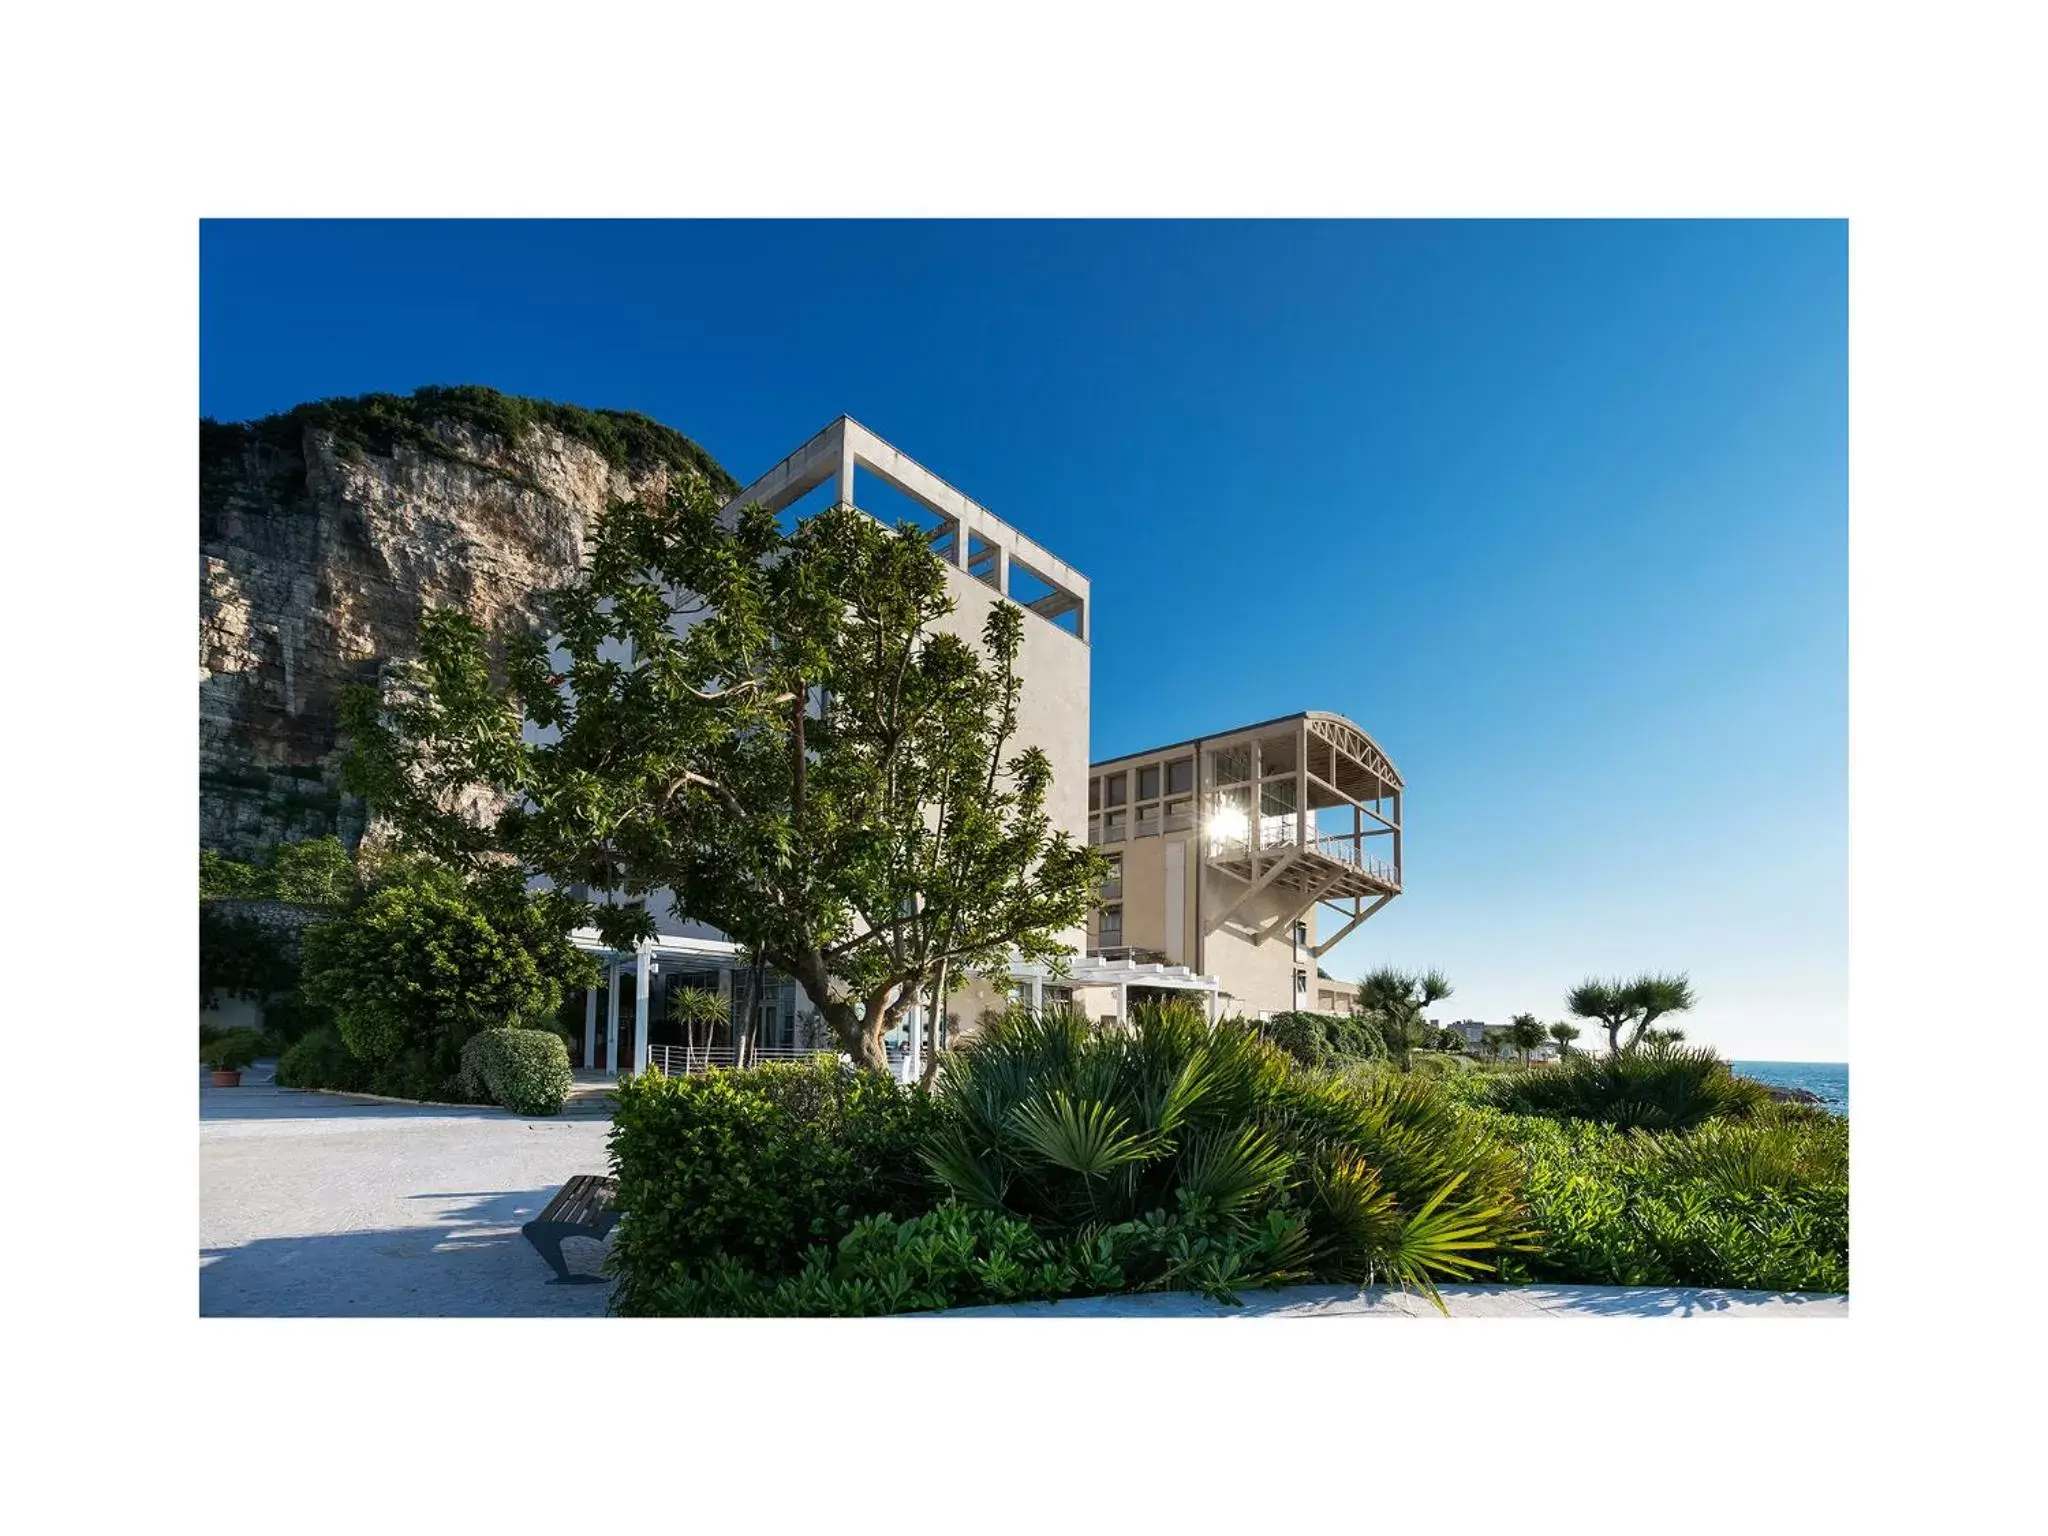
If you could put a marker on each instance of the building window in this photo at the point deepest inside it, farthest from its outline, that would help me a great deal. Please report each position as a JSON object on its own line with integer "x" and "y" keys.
{"x": 1301, "y": 935}
{"x": 1112, "y": 826}
{"x": 1180, "y": 777}
{"x": 1116, "y": 789}
{"x": 1300, "y": 982}
{"x": 1095, "y": 794}
{"x": 1113, "y": 882}
{"x": 1148, "y": 783}
{"x": 1112, "y": 927}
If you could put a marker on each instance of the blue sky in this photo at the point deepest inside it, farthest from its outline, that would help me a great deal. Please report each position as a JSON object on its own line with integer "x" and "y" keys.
{"x": 1557, "y": 511}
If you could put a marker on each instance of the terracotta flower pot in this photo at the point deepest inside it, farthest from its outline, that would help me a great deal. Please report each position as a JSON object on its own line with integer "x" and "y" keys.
{"x": 227, "y": 1079}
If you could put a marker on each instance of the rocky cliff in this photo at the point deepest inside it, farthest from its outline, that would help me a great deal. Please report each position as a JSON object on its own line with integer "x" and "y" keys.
{"x": 324, "y": 530}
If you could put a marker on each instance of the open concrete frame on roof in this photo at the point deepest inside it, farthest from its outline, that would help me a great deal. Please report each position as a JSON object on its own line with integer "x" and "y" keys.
{"x": 969, "y": 538}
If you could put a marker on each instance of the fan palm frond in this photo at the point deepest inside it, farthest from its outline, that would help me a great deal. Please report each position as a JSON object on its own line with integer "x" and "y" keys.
{"x": 962, "y": 1171}
{"x": 1226, "y": 1173}
{"x": 1081, "y": 1136}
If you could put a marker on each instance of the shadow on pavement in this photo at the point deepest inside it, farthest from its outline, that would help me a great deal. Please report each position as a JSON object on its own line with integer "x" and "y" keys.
{"x": 266, "y": 1101}
{"x": 469, "y": 1260}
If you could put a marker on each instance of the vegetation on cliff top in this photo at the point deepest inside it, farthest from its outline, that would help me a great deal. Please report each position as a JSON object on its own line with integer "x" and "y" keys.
{"x": 378, "y": 423}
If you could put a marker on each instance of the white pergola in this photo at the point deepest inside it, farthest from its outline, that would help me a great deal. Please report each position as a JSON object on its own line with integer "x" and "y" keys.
{"x": 1121, "y": 974}
{"x": 641, "y": 961}
{"x": 648, "y": 957}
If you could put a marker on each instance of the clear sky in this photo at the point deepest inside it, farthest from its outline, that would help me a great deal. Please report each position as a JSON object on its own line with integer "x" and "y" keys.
{"x": 1558, "y": 512}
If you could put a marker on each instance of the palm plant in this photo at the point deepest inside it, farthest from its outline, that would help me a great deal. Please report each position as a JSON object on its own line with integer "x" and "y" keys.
{"x": 1656, "y": 1086}
{"x": 694, "y": 1007}
{"x": 1634, "y": 1005}
{"x": 1564, "y": 1034}
{"x": 1525, "y": 1034}
{"x": 1197, "y": 1158}
{"x": 1655, "y": 996}
{"x": 1393, "y": 1001}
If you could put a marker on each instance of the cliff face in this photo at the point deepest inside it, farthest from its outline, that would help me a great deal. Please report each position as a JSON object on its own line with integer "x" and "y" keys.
{"x": 324, "y": 531}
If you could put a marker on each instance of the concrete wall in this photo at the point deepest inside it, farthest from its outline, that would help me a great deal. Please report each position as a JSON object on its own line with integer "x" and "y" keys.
{"x": 1258, "y": 977}
{"x": 1053, "y": 713}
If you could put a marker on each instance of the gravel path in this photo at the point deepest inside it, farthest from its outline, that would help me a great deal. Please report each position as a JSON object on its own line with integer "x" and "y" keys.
{"x": 312, "y": 1205}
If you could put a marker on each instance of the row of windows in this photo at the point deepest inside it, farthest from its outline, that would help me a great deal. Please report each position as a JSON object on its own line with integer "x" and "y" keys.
{"x": 1114, "y": 789}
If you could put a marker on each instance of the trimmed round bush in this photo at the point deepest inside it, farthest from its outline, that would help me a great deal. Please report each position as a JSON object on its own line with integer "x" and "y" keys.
{"x": 525, "y": 1070}
{"x": 322, "y": 1060}
{"x": 1324, "y": 1039}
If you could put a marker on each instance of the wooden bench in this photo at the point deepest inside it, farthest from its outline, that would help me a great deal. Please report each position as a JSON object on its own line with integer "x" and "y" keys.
{"x": 583, "y": 1208}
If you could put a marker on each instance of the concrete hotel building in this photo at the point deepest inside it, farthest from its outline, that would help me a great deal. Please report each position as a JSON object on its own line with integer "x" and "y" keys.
{"x": 987, "y": 562}
{"x": 1209, "y": 898}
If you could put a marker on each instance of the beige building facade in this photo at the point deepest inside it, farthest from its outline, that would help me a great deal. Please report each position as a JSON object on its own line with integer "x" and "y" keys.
{"x": 1246, "y": 855}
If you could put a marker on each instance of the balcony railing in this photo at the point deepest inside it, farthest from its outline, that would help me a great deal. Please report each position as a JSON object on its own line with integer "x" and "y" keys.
{"x": 682, "y": 1060}
{"x": 1346, "y": 850}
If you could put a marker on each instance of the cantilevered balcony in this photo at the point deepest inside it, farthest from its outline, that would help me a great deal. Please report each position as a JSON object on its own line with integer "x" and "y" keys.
{"x": 1308, "y": 808}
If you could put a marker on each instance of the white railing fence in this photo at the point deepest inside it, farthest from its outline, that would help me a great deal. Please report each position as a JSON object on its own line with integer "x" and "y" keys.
{"x": 679, "y": 1060}
{"x": 1345, "y": 849}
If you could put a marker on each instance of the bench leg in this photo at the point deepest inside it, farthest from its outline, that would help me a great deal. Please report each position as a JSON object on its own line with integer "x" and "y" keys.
{"x": 546, "y": 1237}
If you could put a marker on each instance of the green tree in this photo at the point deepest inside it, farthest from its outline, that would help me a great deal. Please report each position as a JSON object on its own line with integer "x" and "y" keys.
{"x": 1525, "y": 1034}
{"x": 1634, "y": 1005}
{"x": 1564, "y": 1034}
{"x": 769, "y": 725}
{"x": 1393, "y": 1002}
{"x": 698, "y": 1008}
{"x": 430, "y": 958}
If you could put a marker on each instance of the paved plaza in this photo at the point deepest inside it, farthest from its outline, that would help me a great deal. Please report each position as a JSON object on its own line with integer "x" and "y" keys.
{"x": 312, "y": 1205}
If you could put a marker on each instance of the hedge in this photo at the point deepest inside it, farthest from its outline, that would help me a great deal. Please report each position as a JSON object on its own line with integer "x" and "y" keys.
{"x": 525, "y": 1070}
{"x": 758, "y": 1166}
{"x": 322, "y": 1060}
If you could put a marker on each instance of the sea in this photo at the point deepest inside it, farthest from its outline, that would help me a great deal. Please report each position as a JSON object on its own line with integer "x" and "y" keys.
{"x": 1829, "y": 1079}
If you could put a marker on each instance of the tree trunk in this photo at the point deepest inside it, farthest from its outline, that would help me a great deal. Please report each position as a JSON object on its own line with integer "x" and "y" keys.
{"x": 1614, "y": 1038}
{"x": 931, "y": 1060}
{"x": 857, "y": 1030}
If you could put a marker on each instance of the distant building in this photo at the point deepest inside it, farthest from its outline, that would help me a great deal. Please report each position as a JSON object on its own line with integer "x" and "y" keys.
{"x": 1334, "y": 996}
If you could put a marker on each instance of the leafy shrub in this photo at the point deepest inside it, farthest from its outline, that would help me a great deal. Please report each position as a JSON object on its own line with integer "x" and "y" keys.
{"x": 757, "y": 1166}
{"x": 240, "y": 957}
{"x": 1438, "y": 1064}
{"x": 292, "y": 1016}
{"x": 322, "y": 1060}
{"x": 949, "y": 1257}
{"x": 233, "y": 1051}
{"x": 1761, "y": 1205}
{"x": 525, "y": 1070}
{"x": 1325, "y": 1039}
{"x": 1208, "y": 1132}
{"x": 1662, "y": 1086}
{"x": 427, "y": 960}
